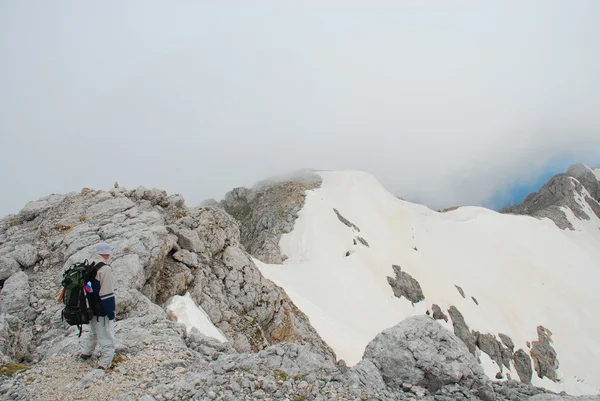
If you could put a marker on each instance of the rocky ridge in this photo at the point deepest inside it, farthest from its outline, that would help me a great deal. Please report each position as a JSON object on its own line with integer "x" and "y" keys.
{"x": 163, "y": 248}
{"x": 569, "y": 190}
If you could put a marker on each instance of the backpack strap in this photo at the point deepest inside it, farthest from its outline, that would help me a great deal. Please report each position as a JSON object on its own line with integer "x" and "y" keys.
{"x": 93, "y": 269}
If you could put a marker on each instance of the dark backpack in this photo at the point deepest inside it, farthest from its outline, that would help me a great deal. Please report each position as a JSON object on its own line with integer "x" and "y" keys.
{"x": 77, "y": 310}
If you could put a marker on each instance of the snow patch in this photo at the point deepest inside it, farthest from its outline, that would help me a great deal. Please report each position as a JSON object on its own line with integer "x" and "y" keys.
{"x": 187, "y": 312}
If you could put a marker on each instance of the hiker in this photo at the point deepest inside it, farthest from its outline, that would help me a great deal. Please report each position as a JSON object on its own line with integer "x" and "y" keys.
{"x": 102, "y": 302}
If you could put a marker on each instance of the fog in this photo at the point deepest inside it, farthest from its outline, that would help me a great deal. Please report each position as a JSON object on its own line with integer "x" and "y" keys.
{"x": 446, "y": 103}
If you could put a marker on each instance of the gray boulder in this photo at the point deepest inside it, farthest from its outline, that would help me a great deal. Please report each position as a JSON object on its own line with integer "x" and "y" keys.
{"x": 418, "y": 351}
{"x": 14, "y": 296}
{"x": 8, "y": 266}
{"x": 25, "y": 254}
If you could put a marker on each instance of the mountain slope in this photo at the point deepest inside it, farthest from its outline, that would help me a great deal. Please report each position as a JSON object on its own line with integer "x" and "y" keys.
{"x": 521, "y": 277}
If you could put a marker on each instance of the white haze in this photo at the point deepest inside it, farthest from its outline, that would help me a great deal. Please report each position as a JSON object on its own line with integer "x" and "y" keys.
{"x": 445, "y": 103}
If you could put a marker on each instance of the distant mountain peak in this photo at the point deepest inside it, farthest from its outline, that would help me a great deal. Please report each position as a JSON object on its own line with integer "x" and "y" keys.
{"x": 578, "y": 190}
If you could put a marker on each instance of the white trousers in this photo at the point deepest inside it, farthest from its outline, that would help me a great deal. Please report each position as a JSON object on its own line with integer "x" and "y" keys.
{"x": 102, "y": 330}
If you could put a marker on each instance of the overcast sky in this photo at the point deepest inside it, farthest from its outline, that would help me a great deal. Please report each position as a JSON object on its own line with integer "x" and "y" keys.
{"x": 445, "y": 102}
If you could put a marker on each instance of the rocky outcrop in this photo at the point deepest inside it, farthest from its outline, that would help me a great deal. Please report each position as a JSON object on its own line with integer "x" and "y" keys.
{"x": 491, "y": 346}
{"x": 562, "y": 191}
{"x": 345, "y": 221}
{"x": 438, "y": 314}
{"x": 420, "y": 352}
{"x": 461, "y": 330}
{"x": 161, "y": 249}
{"x": 523, "y": 366}
{"x": 404, "y": 285}
{"x": 268, "y": 211}
{"x": 545, "y": 361}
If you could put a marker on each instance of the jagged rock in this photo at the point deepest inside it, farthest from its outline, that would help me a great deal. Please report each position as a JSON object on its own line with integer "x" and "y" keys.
{"x": 36, "y": 208}
{"x": 8, "y": 266}
{"x": 404, "y": 285}
{"x": 268, "y": 211}
{"x": 544, "y": 357}
{"x": 187, "y": 258}
{"x": 132, "y": 303}
{"x": 108, "y": 208}
{"x": 154, "y": 196}
{"x": 507, "y": 341}
{"x": 418, "y": 351}
{"x": 174, "y": 280}
{"x": 586, "y": 177}
{"x": 461, "y": 330}
{"x": 346, "y": 221}
{"x": 366, "y": 374}
{"x": 488, "y": 344}
{"x": 14, "y": 296}
{"x": 438, "y": 314}
{"x": 15, "y": 338}
{"x": 523, "y": 366}
{"x": 25, "y": 254}
{"x": 460, "y": 290}
{"x": 189, "y": 239}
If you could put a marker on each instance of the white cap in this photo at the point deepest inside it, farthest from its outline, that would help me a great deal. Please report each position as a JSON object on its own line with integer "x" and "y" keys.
{"x": 104, "y": 249}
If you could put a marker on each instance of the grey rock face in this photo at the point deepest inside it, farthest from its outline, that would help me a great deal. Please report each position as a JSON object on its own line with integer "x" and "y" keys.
{"x": 8, "y": 266}
{"x": 14, "y": 296}
{"x": 345, "y": 221}
{"x": 267, "y": 212}
{"x": 544, "y": 357}
{"x": 461, "y": 330}
{"x": 25, "y": 254}
{"x": 523, "y": 366}
{"x": 438, "y": 314}
{"x": 161, "y": 249}
{"x": 404, "y": 285}
{"x": 366, "y": 374}
{"x": 418, "y": 351}
{"x": 559, "y": 192}
{"x": 507, "y": 341}
{"x": 491, "y": 346}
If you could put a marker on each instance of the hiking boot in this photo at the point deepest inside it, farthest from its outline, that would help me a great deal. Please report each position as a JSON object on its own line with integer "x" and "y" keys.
{"x": 84, "y": 357}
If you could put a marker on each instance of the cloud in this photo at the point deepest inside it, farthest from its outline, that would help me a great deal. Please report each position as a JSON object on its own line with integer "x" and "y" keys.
{"x": 444, "y": 104}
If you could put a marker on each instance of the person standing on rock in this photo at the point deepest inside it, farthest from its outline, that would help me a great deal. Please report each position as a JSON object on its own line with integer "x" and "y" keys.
{"x": 102, "y": 302}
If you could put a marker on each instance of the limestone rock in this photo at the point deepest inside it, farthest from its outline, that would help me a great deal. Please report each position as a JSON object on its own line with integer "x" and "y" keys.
{"x": 8, "y": 266}
{"x": 418, "y": 351}
{"x": 268, "y": 211}
{"x": 26, "y": 255}
{"x": 438, "y": 314}
{"x": 523, "y": 366}
{"x": 404, "y": 285}
{"x": 14, "y": 296}
{"x": 461, "y": 330}
{"x": 544, "y": 357}
{"x": 345, "y": 221}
